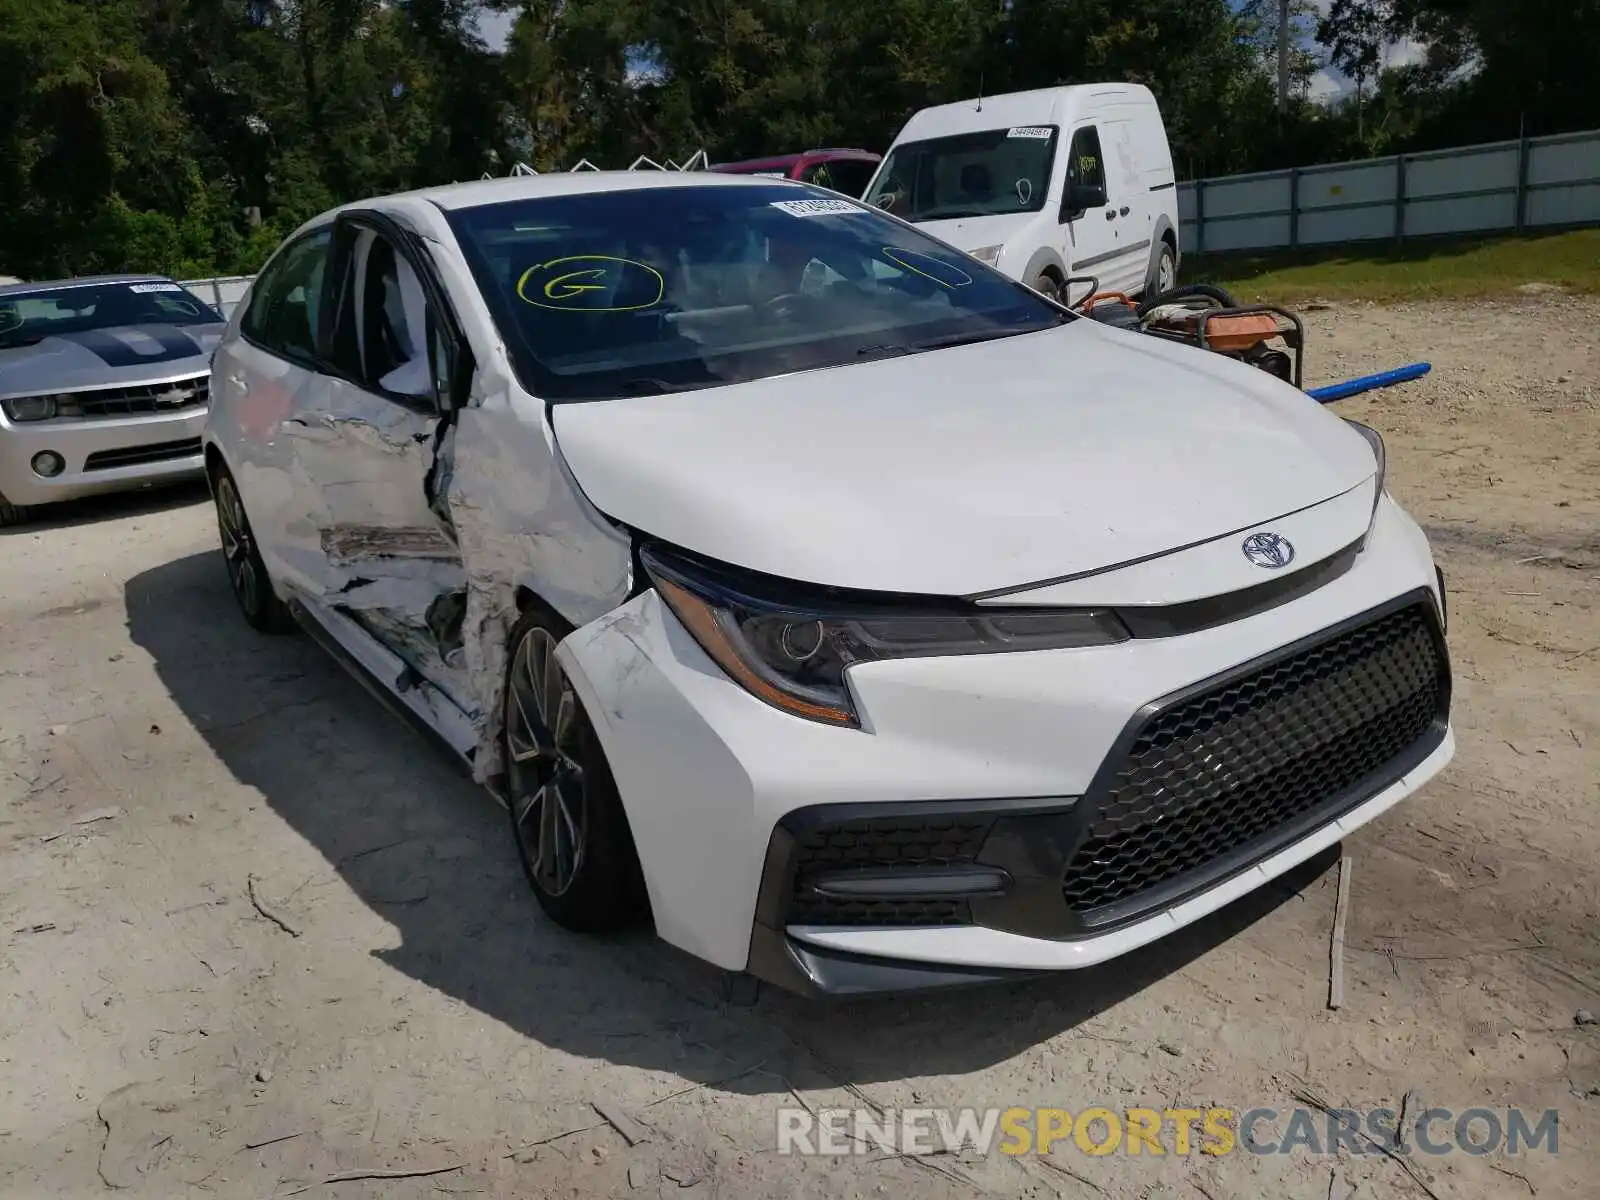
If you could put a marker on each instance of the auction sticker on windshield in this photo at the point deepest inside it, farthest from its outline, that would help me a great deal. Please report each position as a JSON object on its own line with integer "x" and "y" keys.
{"x": 1041, "y": 132}
{"x": 141, "y": 288}
{"x": 815, "y": 208}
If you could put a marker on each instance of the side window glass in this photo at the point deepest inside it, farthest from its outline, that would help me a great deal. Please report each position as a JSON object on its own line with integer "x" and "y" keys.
{"x": 282, "y": 316}
{"x": 383, "y": 333}
{"x": 1085, "y": 165}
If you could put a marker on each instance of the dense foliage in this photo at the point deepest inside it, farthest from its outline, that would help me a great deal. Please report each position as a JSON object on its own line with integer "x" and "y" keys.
{"x": 188, "y": 135}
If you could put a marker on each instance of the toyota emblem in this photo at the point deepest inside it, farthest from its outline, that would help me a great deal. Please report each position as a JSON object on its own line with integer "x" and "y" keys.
{"x": 1268, "y": 550}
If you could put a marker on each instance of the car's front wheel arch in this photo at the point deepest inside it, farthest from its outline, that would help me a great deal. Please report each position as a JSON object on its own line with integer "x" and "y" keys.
{"x": 557, "y": 778}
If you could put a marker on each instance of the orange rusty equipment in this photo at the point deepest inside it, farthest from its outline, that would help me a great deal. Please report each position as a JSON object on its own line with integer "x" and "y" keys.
{"x": 1227, "y": 332}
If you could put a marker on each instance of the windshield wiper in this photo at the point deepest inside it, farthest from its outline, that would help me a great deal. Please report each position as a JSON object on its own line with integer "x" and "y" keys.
{"x": 648, "y": 385}
{"x": 895, "y": 349}
{"x": 884, "y": 350}
{"x": 947, "y": 214}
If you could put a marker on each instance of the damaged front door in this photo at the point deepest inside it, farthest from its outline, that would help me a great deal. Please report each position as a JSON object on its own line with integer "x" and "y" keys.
{"x": 367, "y": 438}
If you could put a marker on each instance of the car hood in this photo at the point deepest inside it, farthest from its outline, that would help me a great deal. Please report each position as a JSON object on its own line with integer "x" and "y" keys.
{"x": 976, "y": 233}
{"x": 126, "y": 354}
{"x": 968, "y": 469}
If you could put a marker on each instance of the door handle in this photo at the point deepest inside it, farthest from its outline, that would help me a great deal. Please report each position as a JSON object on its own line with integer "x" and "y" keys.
{"x": 1123, "y": 210}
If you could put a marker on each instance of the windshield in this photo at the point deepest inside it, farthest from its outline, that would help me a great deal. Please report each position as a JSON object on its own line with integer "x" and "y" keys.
{"x": 31, "y": 316}
{"x": 662, "y": 289}
{"x": 968, "y": 175}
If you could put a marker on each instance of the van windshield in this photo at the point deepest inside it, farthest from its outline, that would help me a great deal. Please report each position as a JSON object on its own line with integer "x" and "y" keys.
{"x": 662, "y": 289}
{"x": 968, "y": 175}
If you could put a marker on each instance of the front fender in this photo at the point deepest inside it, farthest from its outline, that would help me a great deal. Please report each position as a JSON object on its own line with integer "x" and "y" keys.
{"x": 1043, "y": 259}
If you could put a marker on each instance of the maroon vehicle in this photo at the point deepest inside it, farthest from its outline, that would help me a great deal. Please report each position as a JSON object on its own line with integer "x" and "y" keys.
{"x": 846, "y": 171}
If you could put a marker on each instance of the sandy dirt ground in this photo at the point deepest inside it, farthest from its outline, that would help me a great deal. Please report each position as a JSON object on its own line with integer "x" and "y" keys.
{"x": 161, "y": 1038}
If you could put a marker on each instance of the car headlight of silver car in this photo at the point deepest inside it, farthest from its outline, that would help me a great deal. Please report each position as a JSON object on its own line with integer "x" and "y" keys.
{"x": 1376, "y": 442}
{"x": 790, "y": 645}
{"x": 988, "y": 255}
{"x": 30, "y": 408}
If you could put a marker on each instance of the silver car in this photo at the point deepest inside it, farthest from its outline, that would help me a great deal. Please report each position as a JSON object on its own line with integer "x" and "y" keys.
{"x": 104, "y": 385}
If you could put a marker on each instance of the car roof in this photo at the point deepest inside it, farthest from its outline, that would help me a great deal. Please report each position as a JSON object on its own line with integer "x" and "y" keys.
{"x": 8, "y": 289}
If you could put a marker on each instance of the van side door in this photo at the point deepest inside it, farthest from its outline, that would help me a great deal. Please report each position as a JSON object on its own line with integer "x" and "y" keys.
{"x": 1087, "y": 215}
{"x": 1130, "y": 195}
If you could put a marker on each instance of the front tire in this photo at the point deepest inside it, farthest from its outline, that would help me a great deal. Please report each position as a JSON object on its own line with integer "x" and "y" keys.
{"x": 566, "y": 816}
{"x": 247, "y": 574}
{"x": 1048, "y": 286}
{"x": 13, "y": 514}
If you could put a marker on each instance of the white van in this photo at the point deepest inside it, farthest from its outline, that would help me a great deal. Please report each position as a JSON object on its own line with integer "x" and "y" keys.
{"x": 989, "y": 177}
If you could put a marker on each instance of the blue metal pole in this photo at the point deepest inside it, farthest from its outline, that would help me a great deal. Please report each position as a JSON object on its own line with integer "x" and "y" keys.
{"x": 1367, "y": 383}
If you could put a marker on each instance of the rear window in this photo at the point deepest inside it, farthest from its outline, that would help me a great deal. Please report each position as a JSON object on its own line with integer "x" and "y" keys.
{"x": 968, "y": 175}
{"x": 665, "y": 289}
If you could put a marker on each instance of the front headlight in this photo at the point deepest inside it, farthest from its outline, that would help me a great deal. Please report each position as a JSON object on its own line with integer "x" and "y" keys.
{"x": 1376, "y": 442}
{"x": 791, "y": 645}
{"x": 988, "y": 255}
{"x": 30, "y": 408}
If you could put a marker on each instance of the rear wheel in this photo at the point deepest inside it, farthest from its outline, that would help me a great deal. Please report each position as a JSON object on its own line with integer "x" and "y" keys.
{"x": 247, "y": 574}
{"x": 566, "y": 816}
{"x": 1163, "y": 273}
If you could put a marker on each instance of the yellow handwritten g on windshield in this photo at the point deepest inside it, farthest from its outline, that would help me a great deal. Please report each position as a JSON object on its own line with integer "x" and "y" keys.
{"x": 583, "y": 282}
{"x": 569, "y": 289}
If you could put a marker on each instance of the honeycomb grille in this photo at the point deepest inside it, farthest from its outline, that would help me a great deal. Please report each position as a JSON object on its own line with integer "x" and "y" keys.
{"x": 874, "y": 842}
{"x": 826, "y": 910}
{"x": 1222, "y": 772}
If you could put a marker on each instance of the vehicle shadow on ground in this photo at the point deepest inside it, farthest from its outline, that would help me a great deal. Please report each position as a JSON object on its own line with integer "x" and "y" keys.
{"x": 91, "y": 510}
{"x": 430, "y": 853}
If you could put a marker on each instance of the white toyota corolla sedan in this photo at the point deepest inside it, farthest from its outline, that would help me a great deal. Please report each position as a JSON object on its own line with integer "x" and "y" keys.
{"x": 851, "y": 612}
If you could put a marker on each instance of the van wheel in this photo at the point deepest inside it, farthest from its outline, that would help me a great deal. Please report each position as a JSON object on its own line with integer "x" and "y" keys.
{"x": 247, "y": 574}
{"x": 1163, "y": 273}
{"x": 13, "y": 514}
{"x": 1048, "y": 285}
{"x": 566, "y": 816}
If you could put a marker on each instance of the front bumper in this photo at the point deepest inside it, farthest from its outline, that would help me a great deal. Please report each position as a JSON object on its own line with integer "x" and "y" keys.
{"x": 102, "y": 455}
{"x": 720, "y": 788}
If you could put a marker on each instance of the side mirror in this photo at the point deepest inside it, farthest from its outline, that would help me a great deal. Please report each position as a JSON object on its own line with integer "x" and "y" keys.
{"x": 1079, "y": 198}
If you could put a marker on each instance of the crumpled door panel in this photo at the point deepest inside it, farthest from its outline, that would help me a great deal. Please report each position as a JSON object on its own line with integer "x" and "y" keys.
{"x": 522, "y": 524}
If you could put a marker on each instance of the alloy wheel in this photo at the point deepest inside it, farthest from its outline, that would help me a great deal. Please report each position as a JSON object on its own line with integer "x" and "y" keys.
{"x": 236, "y": 547}
{"x": 545, "y": 776}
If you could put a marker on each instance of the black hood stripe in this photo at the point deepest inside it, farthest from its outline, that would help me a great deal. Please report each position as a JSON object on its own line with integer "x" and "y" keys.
{"x": 115, "y": 352}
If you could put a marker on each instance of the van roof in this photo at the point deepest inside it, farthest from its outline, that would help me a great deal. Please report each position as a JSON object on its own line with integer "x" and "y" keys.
{"x": 1042, "y": 106}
